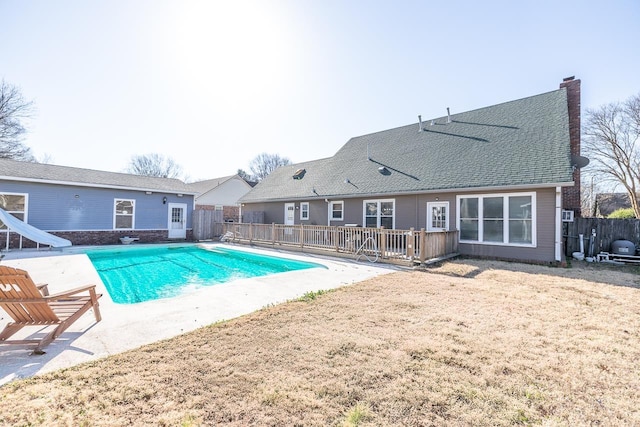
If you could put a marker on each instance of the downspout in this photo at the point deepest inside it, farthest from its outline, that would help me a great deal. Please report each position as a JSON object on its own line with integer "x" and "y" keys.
{"x": 329, "y": 212}
{"x": 558, "y": 244}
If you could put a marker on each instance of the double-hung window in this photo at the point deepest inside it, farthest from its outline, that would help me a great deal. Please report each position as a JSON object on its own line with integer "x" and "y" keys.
{"x": 336, "y": 211}
{"x": 124, "y": 214}
{"x": 507, "y": 219}
{"x": 14, "y": 204}
{"x": 304, "y": 210}
{"x": 379, "y": 213}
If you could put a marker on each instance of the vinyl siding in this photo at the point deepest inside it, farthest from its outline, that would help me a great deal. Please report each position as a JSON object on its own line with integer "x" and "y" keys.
{"x": 545, "y": 235}
{"x": 273, "y": 212}
{"x": 226, "y": 194}
{"x": 411, "y": 211}
{"x": 68, "y": 208}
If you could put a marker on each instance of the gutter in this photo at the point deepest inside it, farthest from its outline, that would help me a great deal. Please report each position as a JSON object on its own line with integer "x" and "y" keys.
{"x": 412, "y": 193}
{"x": 94, "y": 185}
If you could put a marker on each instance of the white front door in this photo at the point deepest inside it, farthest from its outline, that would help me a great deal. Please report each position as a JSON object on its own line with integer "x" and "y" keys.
{"x": 177, "y": 221}
{"x": 289, "y": 213}
{"x": 437, "y": 216}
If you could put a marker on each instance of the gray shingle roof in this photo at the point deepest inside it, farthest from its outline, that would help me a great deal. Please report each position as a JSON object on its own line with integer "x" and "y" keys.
{"x": 521, "y": 142}
{"x": 12, "y": 170}
{"x": 200, "y": 187}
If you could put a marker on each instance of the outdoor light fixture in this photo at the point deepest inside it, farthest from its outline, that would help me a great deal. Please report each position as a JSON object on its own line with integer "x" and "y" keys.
{"x": 164, "y": 200}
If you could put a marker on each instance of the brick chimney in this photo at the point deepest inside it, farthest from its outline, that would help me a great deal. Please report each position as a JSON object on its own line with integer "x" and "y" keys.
{"x": 571, "y": 195}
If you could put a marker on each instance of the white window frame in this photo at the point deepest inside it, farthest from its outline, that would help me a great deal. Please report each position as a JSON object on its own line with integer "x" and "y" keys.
{"x": 133, "y": 214}
{"x": 304, "y": 209}
{"x": 430, "y": 226}
{"x": 331, "y": 217}
{"x": 506, "y": 218}
{"x": 379, "y": 216}
{"x": 24, "y": 213}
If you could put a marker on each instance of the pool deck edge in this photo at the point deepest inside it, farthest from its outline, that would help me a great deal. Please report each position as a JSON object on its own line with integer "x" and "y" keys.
{"x": 128, "y": 326}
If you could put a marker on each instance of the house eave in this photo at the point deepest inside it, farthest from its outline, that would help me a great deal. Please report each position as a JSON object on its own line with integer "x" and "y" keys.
{"x": 410, "y": 193}
{"x": 92, "y": 185}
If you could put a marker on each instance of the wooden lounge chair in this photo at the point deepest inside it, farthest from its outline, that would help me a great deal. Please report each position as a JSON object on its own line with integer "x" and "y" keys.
{"x": 29, "y": 304}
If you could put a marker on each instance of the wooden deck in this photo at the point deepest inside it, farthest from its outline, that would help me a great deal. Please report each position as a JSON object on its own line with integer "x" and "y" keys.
{"x": 404, "y": 247}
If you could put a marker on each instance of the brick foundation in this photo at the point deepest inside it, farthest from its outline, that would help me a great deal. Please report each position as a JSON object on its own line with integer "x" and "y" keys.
{"x": 94, "y": 238}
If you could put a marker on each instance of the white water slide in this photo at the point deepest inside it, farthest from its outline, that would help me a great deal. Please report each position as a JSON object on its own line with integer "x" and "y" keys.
{"x": 30, "y": 232}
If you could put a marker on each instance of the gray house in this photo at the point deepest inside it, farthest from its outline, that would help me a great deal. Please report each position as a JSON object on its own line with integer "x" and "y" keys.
{"x": 91, "y": 207}
{"x": 501, "y": 175}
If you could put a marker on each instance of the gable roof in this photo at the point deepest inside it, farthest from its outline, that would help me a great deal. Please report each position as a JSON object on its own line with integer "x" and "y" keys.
{"x": 12, "y": 170}
{"x": 203, "y": 187}
{"x": 518, "y": 143}
{"x": 200, "y": 187}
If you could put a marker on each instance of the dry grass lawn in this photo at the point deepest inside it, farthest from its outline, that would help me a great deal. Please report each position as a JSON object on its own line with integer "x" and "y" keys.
{"x": 466, "y": 343}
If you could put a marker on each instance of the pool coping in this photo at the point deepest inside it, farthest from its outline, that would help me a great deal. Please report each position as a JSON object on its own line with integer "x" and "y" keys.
{"x": 166, "y": 271}
{"x": 128, "y": 326}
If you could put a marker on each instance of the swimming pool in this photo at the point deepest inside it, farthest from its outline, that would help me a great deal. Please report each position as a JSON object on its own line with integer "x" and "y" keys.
{"x": 133, "y": 275}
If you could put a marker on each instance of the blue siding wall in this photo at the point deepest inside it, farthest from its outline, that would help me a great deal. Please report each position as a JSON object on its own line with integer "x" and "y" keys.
{"x": 66, "y": 208}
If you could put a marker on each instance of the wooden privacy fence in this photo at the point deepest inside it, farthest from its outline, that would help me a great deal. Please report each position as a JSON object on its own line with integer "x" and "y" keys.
{"x": 207, "y": 224}
{"x": 607, "y": 231}
{"x": 401, "y": 246}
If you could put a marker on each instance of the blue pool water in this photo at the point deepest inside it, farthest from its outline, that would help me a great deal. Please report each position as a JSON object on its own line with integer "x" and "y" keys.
{"x": 142, "y": 274}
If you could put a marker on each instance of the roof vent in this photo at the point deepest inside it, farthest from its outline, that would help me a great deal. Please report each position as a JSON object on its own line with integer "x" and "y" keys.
{"x": 384, "y": 171}
{"x": 448, "y": 116}
{"x": 299, "y": 174}
{"x": 419, "y": 123}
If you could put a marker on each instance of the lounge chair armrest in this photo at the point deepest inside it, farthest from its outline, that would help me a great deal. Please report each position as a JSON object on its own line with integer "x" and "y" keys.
{"x": 71, "y": 292}
{"x": 43, "y": 288}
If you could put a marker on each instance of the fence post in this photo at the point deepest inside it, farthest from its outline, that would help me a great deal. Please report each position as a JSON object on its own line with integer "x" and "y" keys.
{"x": 301, "y": 236}
{"x": 410, "y": 248}
{"x": 250, "y": 232}
{"x": 273, "y": 233}
{"x": 336, "y": 238}
{"x": 423, "y": 245}
{"x": 383, "y": 241}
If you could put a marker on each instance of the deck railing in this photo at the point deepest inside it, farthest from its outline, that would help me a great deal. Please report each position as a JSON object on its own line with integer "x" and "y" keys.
{"x": 404, "y": 246}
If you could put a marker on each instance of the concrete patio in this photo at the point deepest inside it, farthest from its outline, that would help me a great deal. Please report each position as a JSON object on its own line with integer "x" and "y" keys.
{"x": 125, "y": 327}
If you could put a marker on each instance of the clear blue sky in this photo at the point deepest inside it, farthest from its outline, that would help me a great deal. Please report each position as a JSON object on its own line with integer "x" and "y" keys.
{"x": 212, "y": 84}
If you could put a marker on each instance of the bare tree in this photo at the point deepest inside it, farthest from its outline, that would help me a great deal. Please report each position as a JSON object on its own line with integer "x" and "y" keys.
{"x": 14, "y": 110}
{"x": 592, "y": 184}
{"x": 612, "y": 142}
{"x": 263, "y": 164}
{"x": 244, "y": 175}
{"x": 154, "y": 165}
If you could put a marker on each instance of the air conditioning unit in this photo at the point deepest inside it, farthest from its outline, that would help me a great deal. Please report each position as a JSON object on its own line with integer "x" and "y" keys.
{"x": 567, "y": 216}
